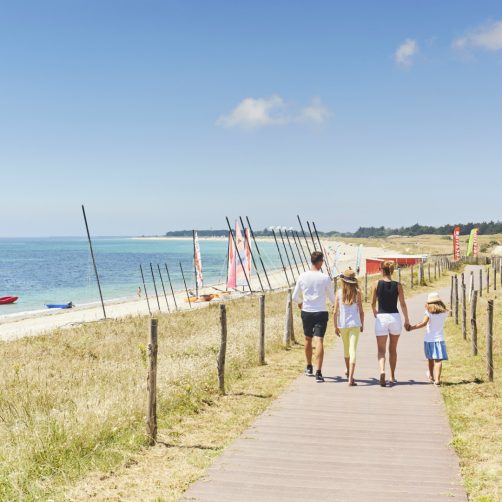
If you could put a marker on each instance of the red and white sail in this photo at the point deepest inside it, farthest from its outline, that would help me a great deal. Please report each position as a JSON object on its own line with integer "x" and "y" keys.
{"x": 198, "y": 261}
{"x": 232, "y": 264}
{"x": 239, "y": 250}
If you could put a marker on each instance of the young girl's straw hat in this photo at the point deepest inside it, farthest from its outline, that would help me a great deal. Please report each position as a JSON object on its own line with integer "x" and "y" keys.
{"x": 349, "y": 276}
{"x": 433, "y": 297}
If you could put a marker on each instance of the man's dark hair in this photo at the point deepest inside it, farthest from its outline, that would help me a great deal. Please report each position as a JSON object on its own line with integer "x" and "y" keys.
{"x": 316, "y": 257}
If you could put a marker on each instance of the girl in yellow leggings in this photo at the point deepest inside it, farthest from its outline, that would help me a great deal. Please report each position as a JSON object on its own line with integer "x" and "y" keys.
{"x": 349, "y": 319}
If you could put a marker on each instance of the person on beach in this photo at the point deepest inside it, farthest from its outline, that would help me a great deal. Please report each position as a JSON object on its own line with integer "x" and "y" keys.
{"x": 138, "y": 291}
{"x": 436, "y": 314}
{"x": 349, "y": 319}
{"x": 312, "y": 290}
{"x": 388, "y": 324}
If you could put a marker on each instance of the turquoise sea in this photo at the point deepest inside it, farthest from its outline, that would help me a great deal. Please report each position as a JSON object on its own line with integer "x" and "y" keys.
{"x": 59, "y": 270}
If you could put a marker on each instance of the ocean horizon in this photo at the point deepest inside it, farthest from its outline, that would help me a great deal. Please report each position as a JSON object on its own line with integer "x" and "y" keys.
{"x": 41, "y": 270}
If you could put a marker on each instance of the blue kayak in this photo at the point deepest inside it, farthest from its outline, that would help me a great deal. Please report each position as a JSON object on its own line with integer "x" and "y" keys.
{"x": 68, "y": 305}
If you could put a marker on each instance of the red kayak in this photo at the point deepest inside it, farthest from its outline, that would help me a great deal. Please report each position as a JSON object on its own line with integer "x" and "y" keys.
{"x": 4, "y": 300}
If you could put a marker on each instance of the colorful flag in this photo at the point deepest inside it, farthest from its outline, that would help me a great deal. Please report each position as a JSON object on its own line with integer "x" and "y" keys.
{"x": 456, "y": 244}
{"x": 472, "y": 245}
{"x": 241, "y": 251}
{"x": 359, "y": 258}
{"x": 197, "y": 260}
{"x": 231, "y": 270}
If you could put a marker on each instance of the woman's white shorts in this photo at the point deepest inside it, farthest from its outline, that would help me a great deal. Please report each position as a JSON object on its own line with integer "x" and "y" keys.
{"x": 388, "y": 324}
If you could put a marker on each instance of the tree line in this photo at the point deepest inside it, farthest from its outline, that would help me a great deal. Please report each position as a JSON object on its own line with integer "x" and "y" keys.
{"x": 485, "y": 228}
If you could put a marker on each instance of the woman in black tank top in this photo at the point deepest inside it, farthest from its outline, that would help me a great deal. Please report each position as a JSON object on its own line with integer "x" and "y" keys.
{"x": 388, "y": 324}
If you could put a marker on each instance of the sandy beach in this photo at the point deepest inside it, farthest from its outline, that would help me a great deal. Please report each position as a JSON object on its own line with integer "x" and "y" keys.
{"x": 39, "y": 322}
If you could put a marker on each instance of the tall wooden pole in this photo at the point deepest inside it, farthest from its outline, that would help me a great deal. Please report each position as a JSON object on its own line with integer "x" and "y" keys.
{"x": 307, "y": 259}
{"x": 474, "y": 325}
{"x": 258, "y": 251}
{"x": 280, "y": 256}
{"x": 326, "y": 259}
{"x": 312, "y": 236}
{"x": 223, "y": 348}
{"x": 239, "y": 255}
{"x": 464, "y": 312}
{"x": 298, "y": 250}
{"x": 171, "y": 286}
{"x": 163, "y": 287}
{"x": 304, "y": 235}
{"x": 261, "y": 345}
{"x": 144, "y": 288}
{"x": 185, "y": 283}
{"x": 252, "y": 254}
{"x": 292, "y": 251}
{"x": 155, "y": 286}
{"x": 287, "y": 254}
{"x": 94, "y": 261}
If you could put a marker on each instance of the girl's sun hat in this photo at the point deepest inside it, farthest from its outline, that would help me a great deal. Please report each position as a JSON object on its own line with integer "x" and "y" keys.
{"x": 433, "y": 297}
{"x": 349, "y": 276}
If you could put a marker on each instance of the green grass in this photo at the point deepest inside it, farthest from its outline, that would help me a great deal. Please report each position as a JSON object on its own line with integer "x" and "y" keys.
{"x": 74, "y": 401}
{"x": 474, "y": 405}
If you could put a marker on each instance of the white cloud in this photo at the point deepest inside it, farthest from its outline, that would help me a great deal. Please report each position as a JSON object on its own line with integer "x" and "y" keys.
{"x": 405, "y": 52}
{"x": 252, "y": 113}
{"x": 487, "y": 37}
{"x": 316, "y": 112}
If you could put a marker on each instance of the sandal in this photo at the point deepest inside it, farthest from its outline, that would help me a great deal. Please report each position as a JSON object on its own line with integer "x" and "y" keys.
{"x": 437, "y": 384}
{"x": 383, "y": 383}
{"x": 429, "y": 376}
{"x": 352, "y": 384}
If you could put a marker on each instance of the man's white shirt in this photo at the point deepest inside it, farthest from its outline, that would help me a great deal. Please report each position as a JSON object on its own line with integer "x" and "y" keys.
{"x": 313, "y": 289}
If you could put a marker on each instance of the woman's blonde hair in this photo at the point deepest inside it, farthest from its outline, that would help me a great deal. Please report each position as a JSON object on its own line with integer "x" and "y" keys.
{"x": 387, "y": 267}
{"x": 436, "y": 307}
{"x": 349, "y": 292}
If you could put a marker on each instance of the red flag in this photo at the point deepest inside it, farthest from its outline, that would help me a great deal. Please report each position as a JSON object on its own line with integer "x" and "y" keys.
{"x": 231, "y": 273}
{"x": 456, "y": 244}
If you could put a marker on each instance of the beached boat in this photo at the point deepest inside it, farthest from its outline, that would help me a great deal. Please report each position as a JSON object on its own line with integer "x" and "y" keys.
{"x": 68, "y": 305}
{"x": 5, "y": 300}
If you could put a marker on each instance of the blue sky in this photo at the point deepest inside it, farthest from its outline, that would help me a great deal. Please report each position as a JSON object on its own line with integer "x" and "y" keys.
{"x": 165, "y": 115}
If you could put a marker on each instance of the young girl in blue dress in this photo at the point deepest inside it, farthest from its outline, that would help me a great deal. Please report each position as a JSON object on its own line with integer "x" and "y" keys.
{"x": 436, "y": 314}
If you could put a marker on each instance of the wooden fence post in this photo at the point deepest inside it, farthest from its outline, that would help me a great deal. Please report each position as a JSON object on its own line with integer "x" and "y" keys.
{"x": 429, "y": 271}
{"x": 151, "y": 385}
{"x": 451, "y": 295}
{"x": 365, "y": 287}
{"x": 489, "y": 341}
{"x": 488, "y": 279}
{"x": 495, "y": 278}
{"x": 464, "y": 313}
{"x": 474, "y": 326}
{"x": 399, "y": 274}
{"x": 261, "y": 346}
{"x": 435, "y": 270}
{"x": 481, "y": 282}
{"x": 291, "y": 321}
{"x": 223, "y": 348}
{"x": 471, "y": 288}
{"x": 411, "y": 277}
{"x": 287, "y": 322}
{"x": 456, "y": 299}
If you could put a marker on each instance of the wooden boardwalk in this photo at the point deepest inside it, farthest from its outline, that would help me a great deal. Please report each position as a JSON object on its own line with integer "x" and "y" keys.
{"x": 331, "y": 442}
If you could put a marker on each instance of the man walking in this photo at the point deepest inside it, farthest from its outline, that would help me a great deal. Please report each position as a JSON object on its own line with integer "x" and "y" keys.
{"x": 311, "y": 291}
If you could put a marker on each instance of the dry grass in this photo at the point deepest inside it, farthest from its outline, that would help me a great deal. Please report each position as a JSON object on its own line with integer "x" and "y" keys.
{"x": 421, "y": 244}
{"x": 474, "y": 405}
{"x": 74, "y": 401}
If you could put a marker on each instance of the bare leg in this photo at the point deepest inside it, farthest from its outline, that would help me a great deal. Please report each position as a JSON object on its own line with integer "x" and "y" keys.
{"x": 347, "y": 361}
{"x": 438, "y": 366}
{"x": 394, "y": 339}
{"x": 430, "y": 372}
{"x": 351, "y": 373}
{"x": 319, "y": 351}
{"x": 382, "y": 348}
{"x": 308, "y": 349}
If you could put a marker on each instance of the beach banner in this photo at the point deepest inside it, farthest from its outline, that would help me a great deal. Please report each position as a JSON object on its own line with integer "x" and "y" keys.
{"x": 359, "y": 258}
{"x": 231, "y": 271}
{"x": 240, "y": 245}
{"x": 456, "y": 244}
{"x": 198, "y": 262}
{"x": 472, "y": 245}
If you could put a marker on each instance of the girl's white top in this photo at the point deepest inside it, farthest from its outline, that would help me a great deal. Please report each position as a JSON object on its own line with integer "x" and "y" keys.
{"x": 435, "y": 327}
{"x": 348, "y": 315}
